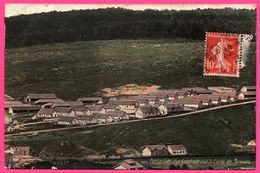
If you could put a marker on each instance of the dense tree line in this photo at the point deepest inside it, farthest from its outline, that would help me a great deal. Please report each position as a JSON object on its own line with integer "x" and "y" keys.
{"x": 118, "y": 23}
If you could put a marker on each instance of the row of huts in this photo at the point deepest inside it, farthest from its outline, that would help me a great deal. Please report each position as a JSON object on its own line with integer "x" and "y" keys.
{"x": 93, "y": 110}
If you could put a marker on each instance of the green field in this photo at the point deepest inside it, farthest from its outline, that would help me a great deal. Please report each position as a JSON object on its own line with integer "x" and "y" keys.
{"x": 80, "y": 69}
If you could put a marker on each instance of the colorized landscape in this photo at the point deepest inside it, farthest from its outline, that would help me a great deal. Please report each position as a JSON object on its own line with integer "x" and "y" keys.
{"x": 81, "y": 69}
{"x": 143, "y": 86}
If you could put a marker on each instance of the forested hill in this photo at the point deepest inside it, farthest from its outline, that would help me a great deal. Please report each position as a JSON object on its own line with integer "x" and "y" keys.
{"x": 118, "y": 23}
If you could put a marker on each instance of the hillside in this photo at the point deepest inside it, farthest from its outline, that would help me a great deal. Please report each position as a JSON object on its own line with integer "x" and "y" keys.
{"x": 118, "y": 23}
{"x": 66, "y": 149}
{"x": 80, "y": 69}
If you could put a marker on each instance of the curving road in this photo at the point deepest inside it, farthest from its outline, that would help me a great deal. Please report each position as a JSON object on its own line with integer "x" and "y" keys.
{"x": 132, "y": 121}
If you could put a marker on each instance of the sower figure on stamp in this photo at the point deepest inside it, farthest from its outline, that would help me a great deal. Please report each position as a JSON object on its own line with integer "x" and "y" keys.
{"x": 218, "y": 50}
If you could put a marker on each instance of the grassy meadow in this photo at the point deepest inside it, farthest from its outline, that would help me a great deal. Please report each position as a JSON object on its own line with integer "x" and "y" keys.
{"x": 78, "y": 69}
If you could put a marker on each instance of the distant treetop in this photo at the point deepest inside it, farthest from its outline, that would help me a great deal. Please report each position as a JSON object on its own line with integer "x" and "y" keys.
{"x": 119, "y": 23}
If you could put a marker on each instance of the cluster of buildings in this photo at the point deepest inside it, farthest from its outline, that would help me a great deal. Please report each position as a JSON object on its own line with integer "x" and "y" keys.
{"x": 152, "y": 151}
{"x": 249, "y": 147}
{"x": 97, "y": 110}
{"x": 13, "y": 106}
{"x": 18, "y": 156}
{"x": 174, "y": 150}
{"x": 164, "y": 150}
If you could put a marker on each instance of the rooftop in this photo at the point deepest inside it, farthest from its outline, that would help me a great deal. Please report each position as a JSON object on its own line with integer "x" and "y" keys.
{"x": 46, "y": 111}
{"x": 155, "y": 147}
{"x": 90, "y": 99}
{"x": 25, "y": 107}
{"x": 94, "y": 107}
{"x": 107, "y": 106}
{"x": 187, "y": 101}
{"x": 49, "y": 101}
{"x": 130, "y": 164}
{"x": 8, "y": 98}
{"x": 149, "y": 110}
{"x": 171, "y": 105}
{"x": 42, "y": 96}
{"x": 78, "y": 108}
{"x": 101, "y": 116}
{"x": 250, "y": 93}
{"x": 75, "y": 103}
{"x": 62, "y": 110}
{"x": 66, "y": 119}
{"x": 117, "y": 113}
{"x": 123, "y": 102}
{"x": 12, "y": 103}
{"x": 177, "y": 147}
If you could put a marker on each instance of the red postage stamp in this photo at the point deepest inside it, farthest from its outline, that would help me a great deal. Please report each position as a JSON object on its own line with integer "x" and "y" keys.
{"x": 222, "y": 54}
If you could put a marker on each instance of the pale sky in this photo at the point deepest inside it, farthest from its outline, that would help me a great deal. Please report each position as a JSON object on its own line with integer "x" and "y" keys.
{"x": 18, "y": 9}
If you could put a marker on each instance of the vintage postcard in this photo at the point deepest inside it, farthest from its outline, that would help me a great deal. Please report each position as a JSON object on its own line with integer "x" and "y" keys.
{"x": 130, "y": 87}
